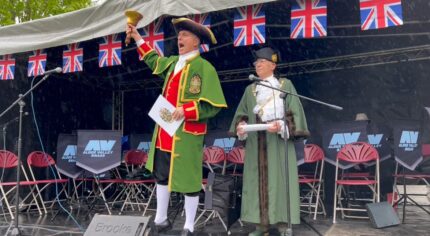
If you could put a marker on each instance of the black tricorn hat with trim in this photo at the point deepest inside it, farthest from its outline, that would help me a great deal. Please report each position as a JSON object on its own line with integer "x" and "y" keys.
{"x": 202, "y": 32}
{"x": 268, "y": 54}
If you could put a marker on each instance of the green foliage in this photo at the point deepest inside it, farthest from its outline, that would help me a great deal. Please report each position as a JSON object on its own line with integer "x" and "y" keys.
{"x": 12, "y": 11}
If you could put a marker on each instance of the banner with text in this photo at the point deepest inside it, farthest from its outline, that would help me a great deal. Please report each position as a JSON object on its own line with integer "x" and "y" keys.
{"x": 335, "y": 136}
{"x": 66, "y": 155}
{"x": 98, "y": 150}
{"x": 407, "y": 143}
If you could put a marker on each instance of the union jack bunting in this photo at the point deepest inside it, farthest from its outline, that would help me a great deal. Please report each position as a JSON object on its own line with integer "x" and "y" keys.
{"x": 308, "y": 19}
{"x": 249, "y": 25}
{"x": 377, "y": 14}
{"x": 110, "y": 51}
{"x": 154, "y": 35}
{"x": 7, "y": 67}
{"x": 37, "y": 63}
{"x": 205, "y": 20}
{"x": 73, "y": 58}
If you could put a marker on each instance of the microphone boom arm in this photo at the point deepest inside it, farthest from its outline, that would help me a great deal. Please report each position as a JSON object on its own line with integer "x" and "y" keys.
{"x": 301, "y": 96}
{"x": 22, "y": 96}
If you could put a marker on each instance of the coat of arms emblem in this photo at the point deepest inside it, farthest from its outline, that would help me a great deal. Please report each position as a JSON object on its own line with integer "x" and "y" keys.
{"x": 195, "y": 84}
{"x": 166, "y": 115}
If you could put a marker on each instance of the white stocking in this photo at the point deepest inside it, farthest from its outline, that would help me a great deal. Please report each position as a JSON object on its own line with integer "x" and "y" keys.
{"x": 163, "y": 196}
{"x": 191, "y": 204}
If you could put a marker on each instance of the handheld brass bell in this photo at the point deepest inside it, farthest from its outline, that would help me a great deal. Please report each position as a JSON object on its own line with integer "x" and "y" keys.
{"x": 133, "y": 18}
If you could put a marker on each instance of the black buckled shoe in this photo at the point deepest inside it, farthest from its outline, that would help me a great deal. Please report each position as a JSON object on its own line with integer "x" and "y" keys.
{"x": 186, "y": 232}
{"x": 163, "y": 226}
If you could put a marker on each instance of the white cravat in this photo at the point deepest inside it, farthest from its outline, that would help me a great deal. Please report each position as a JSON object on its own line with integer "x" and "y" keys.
{"x": 269, "y": 105}
{"x": 182, "y": 58}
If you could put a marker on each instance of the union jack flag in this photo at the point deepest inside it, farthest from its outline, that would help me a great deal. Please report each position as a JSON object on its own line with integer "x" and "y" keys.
{"x": 7, "y": 67}
{"x": 205, "y": 20}
{"x": 308, "y": 19}
{"x": 37, "y": 63}
{"x": 73, "y": 58}
{"x": 154, "y": 35}
{"x": 377, "y": 14}
{"x": 249, "y": 25}
{"x": 110, "y": 51}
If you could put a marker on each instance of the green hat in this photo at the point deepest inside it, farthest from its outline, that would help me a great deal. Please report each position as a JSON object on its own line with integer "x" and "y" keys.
{"x": 202, "y": 32}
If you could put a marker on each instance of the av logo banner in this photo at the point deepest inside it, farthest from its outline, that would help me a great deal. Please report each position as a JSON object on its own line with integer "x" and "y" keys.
{"x": 375, "y": 139}
{"x": 66, "y": 156}
{"x": 409, "y": 140}
{"x": 140, "y": 142}
{"x": 70, "y": 153}
{"x": 337, "y": 135}
{"x": 99, "y": 148}
{"x": 226, "y": 143}
{"x": 144, "y": 146}
{"x": 338, "y": 140}
{"x": 220, "y": 138}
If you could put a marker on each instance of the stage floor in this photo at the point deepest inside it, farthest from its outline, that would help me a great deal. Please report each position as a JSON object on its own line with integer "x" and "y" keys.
{"x": 417, "y": 223}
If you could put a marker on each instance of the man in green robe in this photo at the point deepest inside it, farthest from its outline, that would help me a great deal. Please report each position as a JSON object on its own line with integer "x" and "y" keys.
{"x": 264, "y": 178}
{"x": 191, "y": 84}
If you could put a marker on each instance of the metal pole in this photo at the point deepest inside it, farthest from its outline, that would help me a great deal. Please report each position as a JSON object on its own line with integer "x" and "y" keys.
{"x": 16, "y": 231}
{"x": 4, "y": 137}
{"x": 287, "y": 172}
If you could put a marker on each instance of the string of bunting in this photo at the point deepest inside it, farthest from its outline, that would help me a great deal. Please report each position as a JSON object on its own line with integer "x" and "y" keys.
{"x": 308, "y": 20}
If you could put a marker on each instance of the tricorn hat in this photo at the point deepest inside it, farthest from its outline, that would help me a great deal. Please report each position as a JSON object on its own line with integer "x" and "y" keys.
{"x": 268, "y": 54}
{"x": 202, "y": 32}
{"x": 361, "y": 117}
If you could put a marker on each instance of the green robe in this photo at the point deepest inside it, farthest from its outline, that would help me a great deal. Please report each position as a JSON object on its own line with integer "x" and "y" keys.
{"x": 275, "y": 160}
{"x": 199, "y": 83}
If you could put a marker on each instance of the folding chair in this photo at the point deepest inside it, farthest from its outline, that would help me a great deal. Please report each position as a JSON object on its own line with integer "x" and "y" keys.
{"x": 39, "y": 161}
{"x": 358, "y": 152}
{"x": 236, "y": 157}
{"x": 214, "y": 159}
{"x": 9, "y": 160}
{"x": 137, "y": 191}
{"x": 80, "y": 184}
{"x": 313, "y": 155}
{"x": 400, "y": 173}
{"x": 101, "y": 185}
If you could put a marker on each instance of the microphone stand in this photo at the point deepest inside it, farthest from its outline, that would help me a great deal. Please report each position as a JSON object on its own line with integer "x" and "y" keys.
{"x": 5, "y": 125}
{"x": 283, "y": 96}
{"x": 21, "y": 103}
{"x": 4, "y": 136}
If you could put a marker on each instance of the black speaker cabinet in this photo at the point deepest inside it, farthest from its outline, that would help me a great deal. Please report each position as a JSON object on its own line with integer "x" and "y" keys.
{"x": 223, "y": 194}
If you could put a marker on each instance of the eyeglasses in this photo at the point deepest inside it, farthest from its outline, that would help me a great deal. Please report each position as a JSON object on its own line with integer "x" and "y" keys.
{"x": 258, "y": 61}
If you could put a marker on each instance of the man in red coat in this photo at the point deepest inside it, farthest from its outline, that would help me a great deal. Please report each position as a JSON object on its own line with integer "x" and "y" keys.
{"x": 192, "y": 86}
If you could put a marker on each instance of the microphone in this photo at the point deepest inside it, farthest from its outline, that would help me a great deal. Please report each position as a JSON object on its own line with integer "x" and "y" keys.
{"x": 254, "y": 78}
{"x": 56, "y": 70}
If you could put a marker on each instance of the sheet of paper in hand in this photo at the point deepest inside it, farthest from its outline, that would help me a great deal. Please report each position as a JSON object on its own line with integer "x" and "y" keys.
{"x": 161, "y": 112}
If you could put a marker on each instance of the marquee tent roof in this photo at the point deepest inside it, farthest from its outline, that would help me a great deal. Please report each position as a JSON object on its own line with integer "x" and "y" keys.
{"x": 102, "y": 20}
